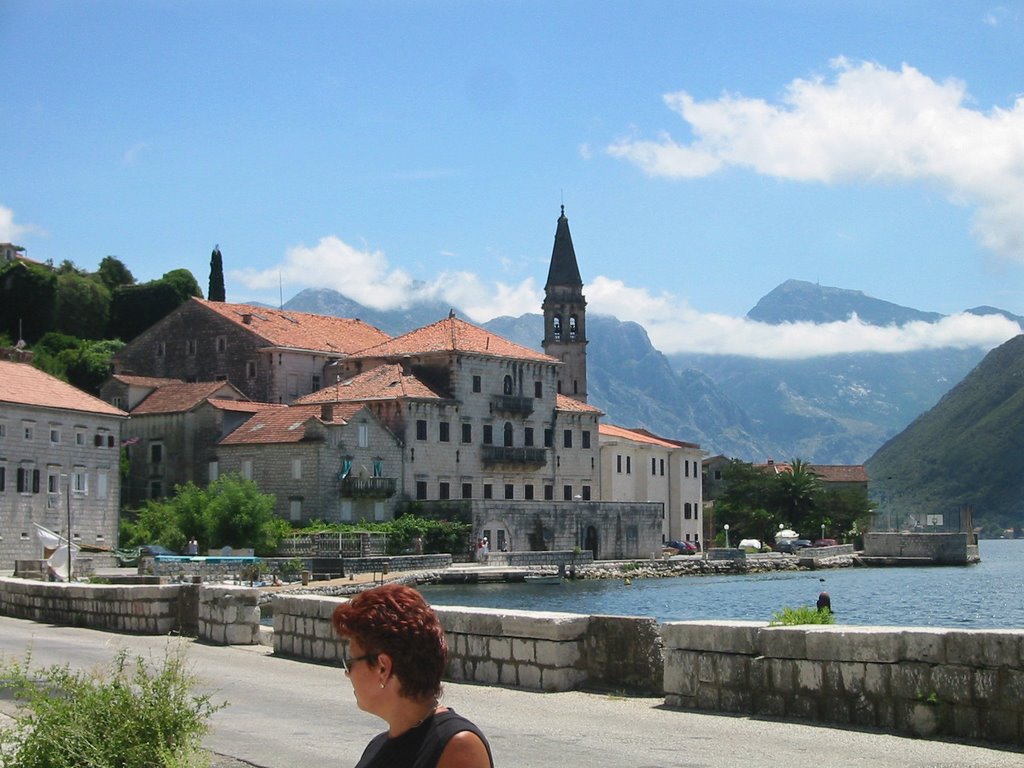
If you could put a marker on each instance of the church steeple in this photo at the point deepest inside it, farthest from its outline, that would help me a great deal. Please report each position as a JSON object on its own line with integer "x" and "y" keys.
{"x": 565, "y": 312}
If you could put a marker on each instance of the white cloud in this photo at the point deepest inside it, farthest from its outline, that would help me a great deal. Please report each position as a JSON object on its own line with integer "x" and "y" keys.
{"x": 367, "y": 277}
{"x": 865, "y": 124}
{"x": 11, "y": 232}
{"x": 131, "y": 155}
{"x": 673, "y": 326}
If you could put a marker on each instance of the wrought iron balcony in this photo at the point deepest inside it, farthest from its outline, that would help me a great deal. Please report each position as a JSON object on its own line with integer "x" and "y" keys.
{"x": 497, "y": 454}
{"x": 512, "y": 404}
{"x": 368, "y": 487}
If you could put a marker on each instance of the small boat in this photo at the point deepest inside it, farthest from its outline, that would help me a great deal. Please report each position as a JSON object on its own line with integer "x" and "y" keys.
{"x": 543, "y": 579}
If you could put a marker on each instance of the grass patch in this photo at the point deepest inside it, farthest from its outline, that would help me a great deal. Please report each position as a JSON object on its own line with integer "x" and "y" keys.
{"x": 804, "y": 614}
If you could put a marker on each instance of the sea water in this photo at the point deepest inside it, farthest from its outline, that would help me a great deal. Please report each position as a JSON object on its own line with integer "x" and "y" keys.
{"x": 989, "y": 594}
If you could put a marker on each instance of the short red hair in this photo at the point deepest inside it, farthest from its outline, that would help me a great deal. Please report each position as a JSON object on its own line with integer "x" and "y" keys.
{"x": 396, "y": 620}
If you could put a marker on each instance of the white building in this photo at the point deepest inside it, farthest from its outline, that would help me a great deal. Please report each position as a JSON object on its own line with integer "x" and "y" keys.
{"x": 59, "y": 457}
{"x": 637, "y": 465}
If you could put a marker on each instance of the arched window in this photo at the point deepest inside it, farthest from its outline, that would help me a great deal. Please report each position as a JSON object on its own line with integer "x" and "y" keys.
{"x": 507, "y": 385}
{"x": 508, "y": 434}
{"x": 556, "y": 327}
{"x": 572, "y": 327}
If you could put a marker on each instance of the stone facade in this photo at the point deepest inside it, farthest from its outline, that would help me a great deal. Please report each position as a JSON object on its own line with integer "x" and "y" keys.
{"x": 57, "y": 459}
{"x": 271, "y": 355}
{"x": 326, "y": 467}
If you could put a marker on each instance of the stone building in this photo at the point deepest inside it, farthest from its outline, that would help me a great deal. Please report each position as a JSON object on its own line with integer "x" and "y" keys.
{"x": 59, "y": 459}
{"x": 270, "y": 355}
{"x": 331, "y": 462}
{"x": 637, "y": 465}
{"x": 172, "y": 435}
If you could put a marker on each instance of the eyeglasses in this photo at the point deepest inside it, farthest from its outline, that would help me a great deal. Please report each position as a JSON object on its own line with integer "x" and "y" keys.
{"x": 347, "y": 661}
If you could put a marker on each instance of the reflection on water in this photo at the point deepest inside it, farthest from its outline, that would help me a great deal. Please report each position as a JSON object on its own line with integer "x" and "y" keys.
{"x": 990, "y": 594}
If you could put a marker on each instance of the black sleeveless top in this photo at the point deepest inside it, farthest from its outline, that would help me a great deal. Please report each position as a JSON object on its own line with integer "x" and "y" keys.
{"x": 419, "y": 747}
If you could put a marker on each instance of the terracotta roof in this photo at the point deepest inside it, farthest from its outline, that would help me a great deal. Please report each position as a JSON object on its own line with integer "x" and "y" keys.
{"x": 453, "y": 335}
{"x": 243, "y": 406}
{"x": 300, "y": 330}
{"x": 22, "y": 384}
{"x": 144, "y": 381}
{"x": 613, "y": 430}
{"x": 385, "y": 382}
{"x": 178, "y": 398}
{"x": 566, "y": 403}
{"x": 841, "y": 473}
{"x": 680, "y": 443}
{"x": 830, "y": 473}
{"x": 285, "y": 425}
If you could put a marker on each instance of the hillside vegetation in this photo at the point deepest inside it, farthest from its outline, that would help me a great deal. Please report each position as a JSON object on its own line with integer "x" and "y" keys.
{"x": 967, "y": 450}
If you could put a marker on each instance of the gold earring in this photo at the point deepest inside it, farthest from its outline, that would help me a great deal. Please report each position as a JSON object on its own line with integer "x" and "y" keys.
{"x": 382, "y": 685}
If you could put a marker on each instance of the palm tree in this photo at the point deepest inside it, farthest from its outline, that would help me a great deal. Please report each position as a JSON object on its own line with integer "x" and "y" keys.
{"x": 798, "y": 491}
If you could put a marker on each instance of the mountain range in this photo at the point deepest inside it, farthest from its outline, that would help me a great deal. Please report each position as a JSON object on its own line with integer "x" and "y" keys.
{"x": 837, "y": 409}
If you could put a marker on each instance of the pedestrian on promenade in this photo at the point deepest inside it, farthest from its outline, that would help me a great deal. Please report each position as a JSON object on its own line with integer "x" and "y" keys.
{"x": 824, "y": 603}
{"x": 395, "y": 657}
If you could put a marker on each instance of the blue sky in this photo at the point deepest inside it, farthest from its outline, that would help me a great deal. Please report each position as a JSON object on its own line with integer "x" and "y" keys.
{"x": 393, "y": 150}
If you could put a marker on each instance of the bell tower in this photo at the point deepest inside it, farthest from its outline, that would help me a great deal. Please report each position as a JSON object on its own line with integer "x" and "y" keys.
{"x": 565, "y": 315}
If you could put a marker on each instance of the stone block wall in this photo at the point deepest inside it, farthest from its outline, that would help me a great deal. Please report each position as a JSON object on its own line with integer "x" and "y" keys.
{"x": 522, "y": 649}
{"x": 229, "y": 615}
{"x": 137, "y": 609}
{"x": 929, "y": 683}
{"x": 946, "y": 548}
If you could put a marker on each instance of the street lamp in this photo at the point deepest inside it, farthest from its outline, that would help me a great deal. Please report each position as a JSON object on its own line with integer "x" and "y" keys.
{"x": 727, "y": 544}
{"x": 822, "y": 531}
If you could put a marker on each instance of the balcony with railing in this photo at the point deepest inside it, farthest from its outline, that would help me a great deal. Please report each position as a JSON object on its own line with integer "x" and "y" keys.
{"x": 368, "y": 487}
{"x": 525, "y": 457}
{"x": 512, "y": 404}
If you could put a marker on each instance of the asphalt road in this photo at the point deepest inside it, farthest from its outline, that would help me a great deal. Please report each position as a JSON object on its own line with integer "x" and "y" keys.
{"x": 288, "y": 714}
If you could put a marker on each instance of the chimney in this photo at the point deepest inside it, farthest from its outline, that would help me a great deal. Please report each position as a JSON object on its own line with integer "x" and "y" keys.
{"x": 247, "y": 318}
{"x": 327, "y": 412}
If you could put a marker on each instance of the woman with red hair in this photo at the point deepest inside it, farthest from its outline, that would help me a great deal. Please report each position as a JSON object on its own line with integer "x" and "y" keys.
{"x": 395, "y": 657}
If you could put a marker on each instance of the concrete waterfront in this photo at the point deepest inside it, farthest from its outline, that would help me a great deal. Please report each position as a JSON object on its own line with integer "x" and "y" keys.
{"x": 285, "y": 713}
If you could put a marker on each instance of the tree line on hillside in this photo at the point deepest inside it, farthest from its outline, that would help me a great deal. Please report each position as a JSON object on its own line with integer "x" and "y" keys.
{"x": 757, "y": 504}
{"x": 75, "y": 320}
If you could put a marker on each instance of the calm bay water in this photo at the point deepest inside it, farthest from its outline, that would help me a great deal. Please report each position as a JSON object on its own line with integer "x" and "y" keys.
{"x": 987, "y": 595}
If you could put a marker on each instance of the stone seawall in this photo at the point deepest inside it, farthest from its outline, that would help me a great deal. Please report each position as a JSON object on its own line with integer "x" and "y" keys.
{"x": 932, "y": 683}
{"x": 534, "y": 650}
{"x": 223, "y": 615}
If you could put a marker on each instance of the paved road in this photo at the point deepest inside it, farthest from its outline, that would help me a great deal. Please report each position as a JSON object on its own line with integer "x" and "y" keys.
{"x": 288, "y": 714}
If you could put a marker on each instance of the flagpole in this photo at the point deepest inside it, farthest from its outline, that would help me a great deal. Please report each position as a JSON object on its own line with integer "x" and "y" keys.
{"x": 71, "y": 561}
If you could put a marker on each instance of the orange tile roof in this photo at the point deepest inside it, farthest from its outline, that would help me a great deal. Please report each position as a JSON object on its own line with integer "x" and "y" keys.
{"x": 642, "y": 436}
{"x": 453, "y": 335}
{"x": 178, "y": 398}
{"x": 566, "y": 403}
{"x": 285, "y": 425}
{"x": 144, "y": 381}
{"x": 21, "y": 384}
{"x": 841, "y": 473}
{"x": 300, "y": 330}
{"x": 385, "y": 382}
{"x": 243, "y": 406}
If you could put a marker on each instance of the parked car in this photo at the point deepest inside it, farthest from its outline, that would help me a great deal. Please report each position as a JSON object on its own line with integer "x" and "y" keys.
{"x": 684, "y": 547}
{"x": 792, "y": 546}
{"x": 825, "y": 543}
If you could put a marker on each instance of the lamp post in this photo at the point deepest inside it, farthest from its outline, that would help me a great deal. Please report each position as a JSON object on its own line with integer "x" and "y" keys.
{"x": 727, "y": 544}
{"x": 823, "y": 531}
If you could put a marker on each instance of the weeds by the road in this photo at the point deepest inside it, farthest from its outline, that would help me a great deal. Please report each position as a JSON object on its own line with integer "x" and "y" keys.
{"x": 131, "y": 714}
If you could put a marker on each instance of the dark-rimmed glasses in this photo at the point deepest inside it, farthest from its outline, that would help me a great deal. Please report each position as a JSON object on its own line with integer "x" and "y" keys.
{"x": 347, "y": 661}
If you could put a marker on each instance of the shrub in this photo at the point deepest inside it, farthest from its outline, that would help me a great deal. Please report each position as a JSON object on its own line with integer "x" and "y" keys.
{"x": 130, "y": 715}
{"x": 804, "y": 614}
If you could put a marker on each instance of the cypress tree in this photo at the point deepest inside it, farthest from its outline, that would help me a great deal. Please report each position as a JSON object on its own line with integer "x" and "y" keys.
{"x": 216, "y": 292}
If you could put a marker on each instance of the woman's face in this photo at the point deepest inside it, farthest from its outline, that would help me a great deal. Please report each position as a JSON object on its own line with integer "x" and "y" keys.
{"x": 363, "y": 675}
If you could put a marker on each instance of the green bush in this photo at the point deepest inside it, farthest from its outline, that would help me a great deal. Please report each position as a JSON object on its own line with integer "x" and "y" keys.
{"x": 130, "y": 715}
{"x": 804, "y": 614}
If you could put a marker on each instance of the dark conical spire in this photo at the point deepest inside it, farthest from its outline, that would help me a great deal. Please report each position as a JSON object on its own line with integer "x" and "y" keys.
{"x": 563, "y": 269}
